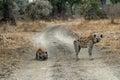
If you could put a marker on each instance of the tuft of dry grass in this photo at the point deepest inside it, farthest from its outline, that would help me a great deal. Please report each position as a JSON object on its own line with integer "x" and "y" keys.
{"x": 9, "y": 61}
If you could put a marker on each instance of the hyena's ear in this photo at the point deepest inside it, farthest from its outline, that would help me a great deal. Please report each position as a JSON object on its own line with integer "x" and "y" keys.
{"x": 101, "y": 36}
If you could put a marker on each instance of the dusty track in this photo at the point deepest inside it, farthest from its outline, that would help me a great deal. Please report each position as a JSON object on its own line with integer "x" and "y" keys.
{"x": 61, "y": 64}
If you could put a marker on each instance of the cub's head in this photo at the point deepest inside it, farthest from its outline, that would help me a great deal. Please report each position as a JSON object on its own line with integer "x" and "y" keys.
{"x": 43, "y": 55}
{"x": 97, "y": 38}
{"x": 41, "y": 51}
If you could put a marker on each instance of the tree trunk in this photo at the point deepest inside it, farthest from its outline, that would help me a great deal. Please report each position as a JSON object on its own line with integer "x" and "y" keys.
{"x": 8, "y": 14}
{"x": 71, "y": 7}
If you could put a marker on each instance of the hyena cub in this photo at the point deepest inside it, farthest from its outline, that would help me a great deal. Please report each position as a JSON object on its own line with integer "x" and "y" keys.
{"x": 86, "y": 42}
{"x": 41, "y": 54}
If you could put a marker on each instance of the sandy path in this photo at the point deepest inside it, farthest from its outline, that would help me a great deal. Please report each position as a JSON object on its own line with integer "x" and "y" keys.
{"x": 61, "y": 64}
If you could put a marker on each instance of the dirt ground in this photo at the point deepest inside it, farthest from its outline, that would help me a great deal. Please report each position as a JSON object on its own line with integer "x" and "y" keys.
{"x": 18, "y": 63}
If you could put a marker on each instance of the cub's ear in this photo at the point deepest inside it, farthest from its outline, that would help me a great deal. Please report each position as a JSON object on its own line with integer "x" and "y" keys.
{"x": 94, "y": 35}
{"x": 101, "y": 36}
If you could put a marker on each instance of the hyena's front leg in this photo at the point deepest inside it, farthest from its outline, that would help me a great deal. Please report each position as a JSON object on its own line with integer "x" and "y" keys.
{"x": 77, "y": 49}
{"x": 90, "y": 47}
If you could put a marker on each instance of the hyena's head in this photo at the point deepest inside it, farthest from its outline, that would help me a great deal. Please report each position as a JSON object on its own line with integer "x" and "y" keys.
{"x": 97, "y": 38}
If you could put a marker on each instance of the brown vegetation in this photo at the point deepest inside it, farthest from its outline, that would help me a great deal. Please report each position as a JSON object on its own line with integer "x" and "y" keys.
{"x": 23, "y": 26}
{"x": 14, "y": 50}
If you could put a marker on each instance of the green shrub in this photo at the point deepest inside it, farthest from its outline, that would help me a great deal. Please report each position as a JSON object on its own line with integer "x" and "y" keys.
{"x": 38, "y": 10}
{"x": 92, "y": 10}
{"x": 1, "y": 8}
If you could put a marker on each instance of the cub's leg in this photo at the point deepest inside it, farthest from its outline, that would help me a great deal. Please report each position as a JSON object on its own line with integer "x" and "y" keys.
{"x": 37, "y": 55}
{"x": 90, "y": 47}
{"x": 77, "y": 49}
{"x": 46, "y": 55}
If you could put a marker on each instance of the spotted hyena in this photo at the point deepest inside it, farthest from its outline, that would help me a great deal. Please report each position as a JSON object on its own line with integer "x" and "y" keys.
{"x": 86, "y": 42}
{"x": 41, "y": 54}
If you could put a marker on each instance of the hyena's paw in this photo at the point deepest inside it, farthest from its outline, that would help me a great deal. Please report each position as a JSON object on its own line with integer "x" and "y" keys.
{"x": 77, "y": 59}
{"x": 91, "y": 59}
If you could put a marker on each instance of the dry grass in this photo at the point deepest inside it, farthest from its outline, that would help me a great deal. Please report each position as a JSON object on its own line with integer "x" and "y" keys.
{"x": 24, "y": 26}
{"x": 28, "y": 26}
{"x": 14, "y": 50}
{"x": 9, "y": 60}
{"x": 96, "y": 26}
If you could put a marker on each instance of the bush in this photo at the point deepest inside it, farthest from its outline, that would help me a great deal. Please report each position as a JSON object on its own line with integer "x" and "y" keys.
{"x": 95, "y": 14}
{"x": 38, "y": 10}
{"x": 114, "y": 12}
{"x": 1, "y": 9}
{"x": 92, "y": 10}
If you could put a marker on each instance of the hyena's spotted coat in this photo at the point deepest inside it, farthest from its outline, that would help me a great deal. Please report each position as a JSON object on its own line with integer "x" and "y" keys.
{"x": 86, "y": 42}
{"x": 41, "y": 54}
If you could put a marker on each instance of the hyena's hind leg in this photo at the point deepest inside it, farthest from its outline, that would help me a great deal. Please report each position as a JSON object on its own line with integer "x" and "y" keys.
{"x": 90, "y": 48}
{"x": 77, "y": 48}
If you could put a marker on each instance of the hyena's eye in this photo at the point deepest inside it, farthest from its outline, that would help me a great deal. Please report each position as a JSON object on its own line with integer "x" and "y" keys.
{"x": 101, "y": 36}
